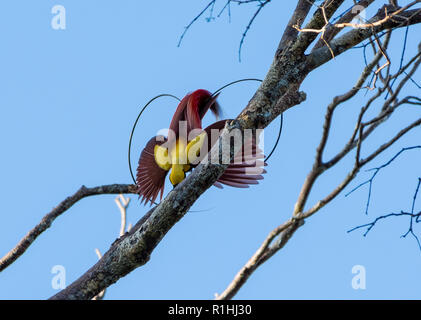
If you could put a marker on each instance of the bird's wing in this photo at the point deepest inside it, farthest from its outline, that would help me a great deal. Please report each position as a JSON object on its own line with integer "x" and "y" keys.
{"x": 246, "y": 169}
{"x": 150, "y": 179}
{"x": 247, "y": 166}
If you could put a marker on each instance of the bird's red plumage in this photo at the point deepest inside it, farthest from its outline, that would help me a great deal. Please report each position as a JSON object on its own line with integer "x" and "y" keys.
{"x": 247, "y": 168}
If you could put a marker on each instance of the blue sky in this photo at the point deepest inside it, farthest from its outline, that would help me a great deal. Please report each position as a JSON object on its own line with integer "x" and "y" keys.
{"x": 68, "y": 101}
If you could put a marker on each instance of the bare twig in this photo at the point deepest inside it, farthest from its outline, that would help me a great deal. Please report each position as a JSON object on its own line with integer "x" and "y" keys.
{"x": 376, "y": 171}
{"x": 256, "y": 13}
{"x": 210, "y": 6}
{"x": 123, "y": 204}
{"x": 412, "y": 215}
{"x": 194, "y": 20}
{"x": 331, "y": 31}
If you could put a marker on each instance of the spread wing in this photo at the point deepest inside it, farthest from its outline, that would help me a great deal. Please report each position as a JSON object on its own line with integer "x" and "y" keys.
{"x": 246, "y": 168}
{"x": 150, "y": 178}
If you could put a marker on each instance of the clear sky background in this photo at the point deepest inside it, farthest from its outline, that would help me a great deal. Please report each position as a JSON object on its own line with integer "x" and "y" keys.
{"x": 68, "y": 100}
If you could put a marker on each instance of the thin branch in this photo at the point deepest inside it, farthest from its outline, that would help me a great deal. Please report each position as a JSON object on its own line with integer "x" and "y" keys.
{"x": 211, "y": 5}
{"x": 48, "y": 219}
{"x": 319, "y": 21}
{"x": 261, "y": 5}
{"x": 402, "y": 55}
{"x": 376, "y": 171}
{"x": 123, "y": 204}
{"x": 255, "y": 261}
{"x": 341, "y": 99}
{"x": 356, "y": 36}
{"x": 370, "y": 225}
{"x": 186, "y": 28}
{"x": 412, "y": 215}
{"x": 331, "y": 31}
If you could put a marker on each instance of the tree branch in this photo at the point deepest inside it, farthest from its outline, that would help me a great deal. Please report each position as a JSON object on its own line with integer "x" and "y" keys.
{"x": 356, "y": 36}
{"x": 332, "y": 31}
{"x": 48, "y": 219}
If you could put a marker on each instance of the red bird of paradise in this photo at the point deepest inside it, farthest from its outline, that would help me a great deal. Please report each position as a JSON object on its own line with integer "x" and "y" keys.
{"x": 181, "y": 151}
